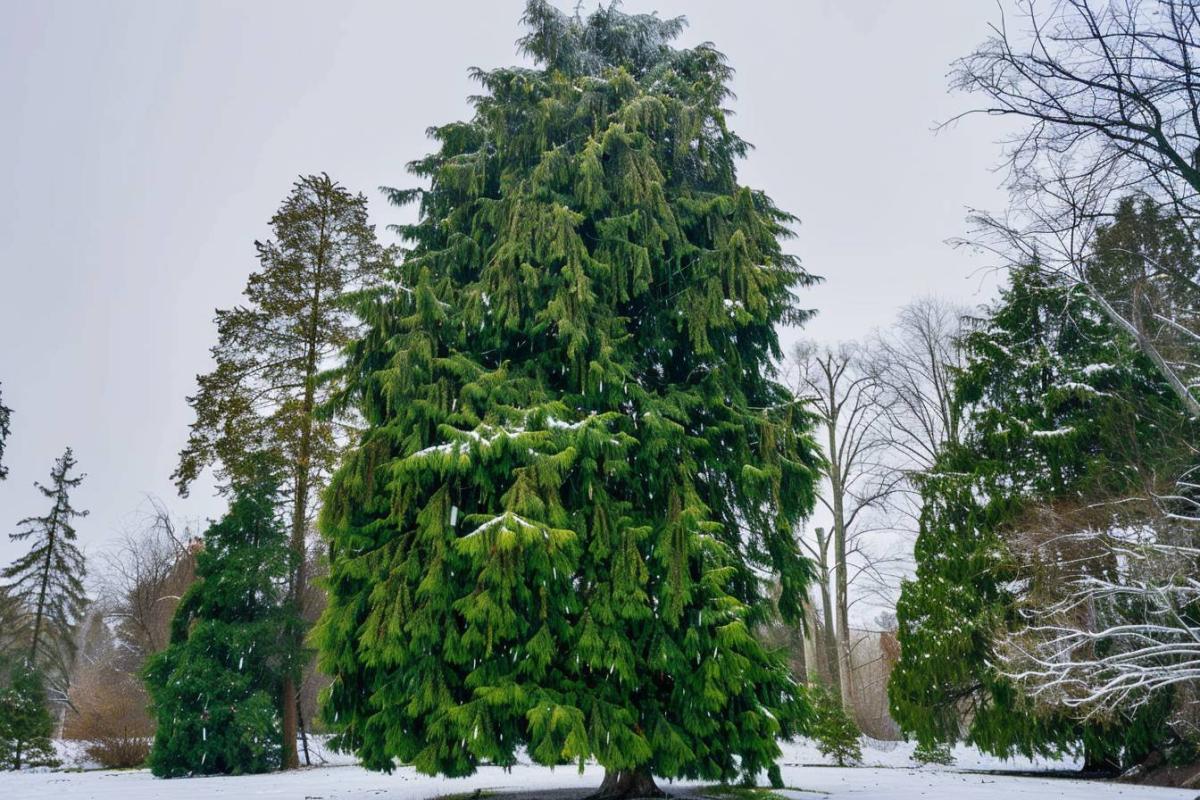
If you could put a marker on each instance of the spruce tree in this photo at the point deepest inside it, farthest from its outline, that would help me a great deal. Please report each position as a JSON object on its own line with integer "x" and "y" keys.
{"x": 47, "y": 582}
{"x": 1061, "y": 407}
{"x": 214, "y": 688}
{"x": 26, "y": 726}
{"x": 578, "y": 469}
{"x": 835, "y": 732}
{"x": 265, "y": 393}
{"x": 5, "y": 430}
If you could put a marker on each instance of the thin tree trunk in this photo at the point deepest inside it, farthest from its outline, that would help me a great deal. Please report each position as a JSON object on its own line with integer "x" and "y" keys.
{"x": 1147, "y": 347}
{"x": 303, "y": 729}
{"x": 52, "y": 536}
{"x": 812, "y": 668}
{"x": 846, "y": 668}
{"x": 829, "y": 635}
{"x": 799, "y": 633}
{"x": 291, "y": 698}
{"x": 837, "y": 491}
{"x": 630, "y": 783}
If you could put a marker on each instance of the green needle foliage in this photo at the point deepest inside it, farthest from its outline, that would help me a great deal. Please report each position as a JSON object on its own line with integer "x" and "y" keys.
{"x": 26, "y": 726}
{"x": 1063, "y": 410}
{"x": 5, "y": 430}
{"x": 835, "y": 733}
{"x": 214, "y": 689}
{"x": 578, "y": 468}
{"x": 263, "y": 396}
{"x": 47, "y": 582}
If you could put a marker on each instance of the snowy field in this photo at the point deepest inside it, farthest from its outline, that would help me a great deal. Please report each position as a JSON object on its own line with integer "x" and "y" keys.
{"x": 888, "y": 774}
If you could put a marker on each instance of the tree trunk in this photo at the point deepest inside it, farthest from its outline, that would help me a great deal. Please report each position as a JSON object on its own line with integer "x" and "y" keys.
{"x": 830, "y": 636}
{"x": 799, "y": 637}
{"x": 288, "y": 723}
{"x": 845, "y": 668}
{"x": 1098, "y": 761}
{"x": 52, "y": 536}
{"x": 837, "y": 492}
{"x": 291, "y": 697}
{"x": 621, "y": 784}
{"x": 303, "y": 728}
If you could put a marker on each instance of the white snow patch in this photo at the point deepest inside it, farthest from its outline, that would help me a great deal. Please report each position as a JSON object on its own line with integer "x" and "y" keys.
{"x": 888, "y": 774}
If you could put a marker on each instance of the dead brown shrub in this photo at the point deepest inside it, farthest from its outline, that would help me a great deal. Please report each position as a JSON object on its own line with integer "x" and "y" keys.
{"x": 110, "y": 717}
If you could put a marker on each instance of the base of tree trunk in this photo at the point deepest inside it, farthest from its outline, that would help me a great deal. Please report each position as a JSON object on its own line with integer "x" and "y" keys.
{"x": 627, "y": 784}
{"x": 1105, "y": 766}
{"x": 290, "y": 759}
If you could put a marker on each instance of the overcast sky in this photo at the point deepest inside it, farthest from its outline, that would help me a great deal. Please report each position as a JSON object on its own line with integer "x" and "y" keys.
{"x": 145, "y": 145}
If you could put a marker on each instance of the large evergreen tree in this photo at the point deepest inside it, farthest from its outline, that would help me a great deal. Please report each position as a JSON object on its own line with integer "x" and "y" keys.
{"x": 1061, "y": 407}
{"x": 47, "y": 582}
{"x": 579, "y": 470}
{"x": 264, "y": 394}
{"x": 214, "y": 688}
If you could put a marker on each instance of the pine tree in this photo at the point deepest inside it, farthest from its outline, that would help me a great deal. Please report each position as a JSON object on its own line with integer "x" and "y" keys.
{"x": 47, "y": 582}
{"x": 264, "y": 394}
{"x": 25, "y": 722}
{"x": 1060, "y": 406}
{"x": 833, "y": 729}
{"x": 5, "y": 430}
{"x": 214, "y": 688}
{"x": 578, "y": 465}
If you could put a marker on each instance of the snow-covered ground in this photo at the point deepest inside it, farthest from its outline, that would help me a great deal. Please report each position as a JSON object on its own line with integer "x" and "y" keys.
{"x": 888, "y": 774}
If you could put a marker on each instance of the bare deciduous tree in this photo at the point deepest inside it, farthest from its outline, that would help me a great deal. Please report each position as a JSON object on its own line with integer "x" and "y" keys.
{"x": 847, "y": 398}
{"x": 144, "y": 576}
{"x": 914, "y": 363}
{"x": 1110, "y": 97}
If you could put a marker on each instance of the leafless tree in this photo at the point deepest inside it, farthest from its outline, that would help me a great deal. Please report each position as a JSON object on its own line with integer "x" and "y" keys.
{"x": 1107, "y": 100}
{"x": 914, "y": 362}
{"x": 1109, "y": 97}
{"x": 828, "y": 644}
{"x": 144, "y": 575}
{"x": 1114, "y": 621}
{"x": 847, "y": 398}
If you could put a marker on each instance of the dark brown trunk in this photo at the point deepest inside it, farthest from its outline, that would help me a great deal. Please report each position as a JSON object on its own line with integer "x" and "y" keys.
{"x": 288, "y": 723}
{"x": 627, "y": 784}
{"x": 1099, "y": 762}
{"x": 291, "y": 759}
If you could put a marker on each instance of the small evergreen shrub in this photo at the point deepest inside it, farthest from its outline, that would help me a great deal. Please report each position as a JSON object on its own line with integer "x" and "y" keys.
{"x": 933, "y": 753}
{"x": 834, "y": 731}
{"x": 25, "y": 722}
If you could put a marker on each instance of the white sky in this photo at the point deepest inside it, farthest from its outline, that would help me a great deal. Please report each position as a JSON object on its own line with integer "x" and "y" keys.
{"x": 147, "y": 143}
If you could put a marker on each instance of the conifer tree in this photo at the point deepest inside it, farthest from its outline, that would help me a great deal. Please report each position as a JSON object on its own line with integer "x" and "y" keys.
{"x": 833, "y": 729}
{"x": 214, "y": 688}
{"x": 25, "y": 722}
{"x": 1059, "y": 404}
{"x": 264, "y": 394}
{"x": 579, "y": 468}
{"x": 5, "y": 430}
{"x": 47, "y": 582}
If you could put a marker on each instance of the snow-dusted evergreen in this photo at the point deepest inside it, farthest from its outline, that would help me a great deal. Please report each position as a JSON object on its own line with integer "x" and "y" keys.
{"x": 578, "y": 469}
{"x": 1065, "y": 419}
{"x": 46, "y": 583}
{"x": 215, "y": 687}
